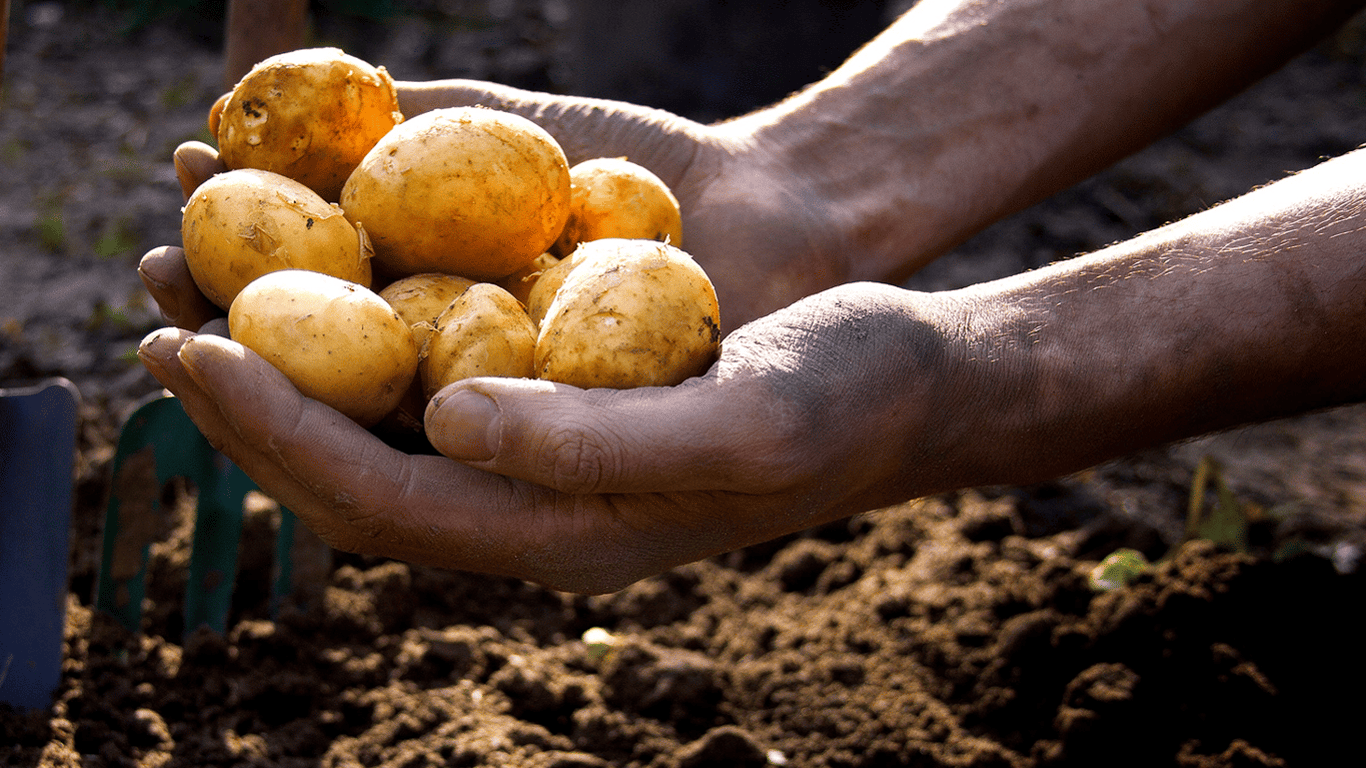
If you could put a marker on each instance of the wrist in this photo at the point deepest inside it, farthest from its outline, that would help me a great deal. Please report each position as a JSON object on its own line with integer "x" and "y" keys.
{"x": 1246, "y": 312}
{"x": 962, "y": 113}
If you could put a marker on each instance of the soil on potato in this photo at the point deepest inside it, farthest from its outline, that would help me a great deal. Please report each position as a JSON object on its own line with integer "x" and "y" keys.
{"x": 960, "y": 630}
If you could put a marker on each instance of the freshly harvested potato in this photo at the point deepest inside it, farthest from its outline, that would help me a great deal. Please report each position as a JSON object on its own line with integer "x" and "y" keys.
{"x": 309, "y": 114}
{"x": 632, "y": 313}
{"x": 614, "y": 197}
{"x": 337, "y": 341}
{"x": 420, "y": 299}
{"x": 521, "y": 282}
{"x": 543, "y": 292}
{"x": 241, "y": 224}
{"x": 484, "y": 332}
{"x": 465, "y": 191}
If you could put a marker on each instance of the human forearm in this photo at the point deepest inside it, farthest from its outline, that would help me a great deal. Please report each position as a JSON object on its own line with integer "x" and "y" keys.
{"x": 1249, "y": 311}
{"x": 963, "y": 112}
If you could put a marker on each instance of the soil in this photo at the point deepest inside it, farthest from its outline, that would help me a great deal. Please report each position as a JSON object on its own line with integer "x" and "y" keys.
{"x": 960, "y": 630}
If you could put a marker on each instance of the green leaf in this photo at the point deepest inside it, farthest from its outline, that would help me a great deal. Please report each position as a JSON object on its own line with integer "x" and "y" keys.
{"x": 1119, "y": 569}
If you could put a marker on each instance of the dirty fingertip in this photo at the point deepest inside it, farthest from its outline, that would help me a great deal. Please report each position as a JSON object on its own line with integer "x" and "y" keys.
{"x": 202, "y": 354}
{"x": 160, "y": 343}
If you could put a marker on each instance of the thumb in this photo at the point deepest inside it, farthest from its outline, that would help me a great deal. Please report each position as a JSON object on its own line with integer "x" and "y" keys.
{"x": 682, "y": 438}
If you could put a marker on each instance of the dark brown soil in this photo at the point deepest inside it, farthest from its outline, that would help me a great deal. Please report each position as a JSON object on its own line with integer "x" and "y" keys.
{"x": 954, "y": 631}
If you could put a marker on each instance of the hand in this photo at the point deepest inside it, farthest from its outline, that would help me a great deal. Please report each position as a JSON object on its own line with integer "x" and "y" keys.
{"x": 805, "y": 418}
{"x": 566, "y": 497}
{"x": 163, "y": 269}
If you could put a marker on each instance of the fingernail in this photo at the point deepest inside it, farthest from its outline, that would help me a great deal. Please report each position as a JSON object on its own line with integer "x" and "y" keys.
{"x": 147, "y": 352}
{"x": 465, "y": 426}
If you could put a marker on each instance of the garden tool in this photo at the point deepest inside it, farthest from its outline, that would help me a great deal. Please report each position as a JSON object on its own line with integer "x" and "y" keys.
{"x": 159, "y": 443}
{"x": 37, "y": 450}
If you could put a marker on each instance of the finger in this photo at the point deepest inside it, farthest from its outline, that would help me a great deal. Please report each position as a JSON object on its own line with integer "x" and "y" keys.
{"x": 696, "y": 436}
{"x": 160, "y": 352}
{"x": 167, "y": 277}
{"x": 361, "y": 495}
{"x": 195, "y": 162}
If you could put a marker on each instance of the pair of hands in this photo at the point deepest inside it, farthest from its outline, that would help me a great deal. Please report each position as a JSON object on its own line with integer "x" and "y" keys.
{"x": 803, "y": 419}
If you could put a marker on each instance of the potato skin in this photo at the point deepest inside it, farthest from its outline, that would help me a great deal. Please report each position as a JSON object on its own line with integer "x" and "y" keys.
{"x": 420, "y": 299}
{"x": 464, "y": 190}
{"x": 241, "y": 224}
{"x": 521, "y": 283}
{"x": 484, "y": 332}
{"x": 614, "y": 197}
{"x": 309, "y": 114}
{"x": 337, "y": 341}
{"x": 632, "y": 313}
{"x": 542, "y": 293}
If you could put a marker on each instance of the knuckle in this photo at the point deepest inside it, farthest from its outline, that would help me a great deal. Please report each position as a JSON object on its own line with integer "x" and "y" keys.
{"x": 579, "y": 460}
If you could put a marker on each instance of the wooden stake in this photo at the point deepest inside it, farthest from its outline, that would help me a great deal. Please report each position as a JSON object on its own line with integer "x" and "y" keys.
{"x": 259, "y": 29}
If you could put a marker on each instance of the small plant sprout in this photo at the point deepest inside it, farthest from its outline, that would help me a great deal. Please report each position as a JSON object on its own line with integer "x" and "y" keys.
{"x": 599, "y": 642}
{"x": 1119, "y": 569}
{"x": 1226, "y": 521}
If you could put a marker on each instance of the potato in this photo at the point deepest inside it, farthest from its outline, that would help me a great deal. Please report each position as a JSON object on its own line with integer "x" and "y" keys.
{"x": 465, "y": 191}
{"x": 420, "y": 299}
{"x": 521, "y": 282}
{"x": 548, "y": 284}
{"x": 614, "y": 197}
{"x": 241, "y": 224}
{"x": 309, "y": 114}
{"x": 485, "y": 332}
{"x": 338, "y": 341}
{"x": 631, "y": 313}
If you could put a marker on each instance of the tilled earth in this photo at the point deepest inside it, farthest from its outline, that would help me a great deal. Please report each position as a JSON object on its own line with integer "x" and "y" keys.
{"x": 953, "y": 631}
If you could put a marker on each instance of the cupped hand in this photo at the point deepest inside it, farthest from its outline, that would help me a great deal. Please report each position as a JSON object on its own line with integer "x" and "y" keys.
{"x": 802, "y": 420}
{"x": 806, "y": 417}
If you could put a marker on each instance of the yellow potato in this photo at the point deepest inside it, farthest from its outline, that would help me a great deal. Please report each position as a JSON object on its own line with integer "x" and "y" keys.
{"x": 465, "y": 191}
{"x": 309, "y": 114}
{"x": 614, "y": 197}
{"x": 523, "y": 281}
{"x": 485, "y": 332}
{"x": 241, "y": 224}
{"x": 632, "y": 313}
{"x": 543, "y": 292}
{"x": 337, "y": 341}
{"x": 420, "y": 299}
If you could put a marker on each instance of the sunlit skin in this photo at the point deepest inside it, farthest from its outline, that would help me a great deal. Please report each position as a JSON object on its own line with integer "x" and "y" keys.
{"x": 835, "y": 392}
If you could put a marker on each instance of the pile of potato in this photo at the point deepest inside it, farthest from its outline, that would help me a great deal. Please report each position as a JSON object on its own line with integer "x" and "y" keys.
{"x": 375, "y": 259}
